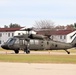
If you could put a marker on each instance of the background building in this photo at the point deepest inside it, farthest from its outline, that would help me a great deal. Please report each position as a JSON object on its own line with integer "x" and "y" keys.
{"x": 66, "y": 36}
{"x": 6, "y": 33}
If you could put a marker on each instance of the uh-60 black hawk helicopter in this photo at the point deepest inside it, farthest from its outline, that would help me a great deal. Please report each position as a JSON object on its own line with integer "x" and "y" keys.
{"x": 29, "y": 42}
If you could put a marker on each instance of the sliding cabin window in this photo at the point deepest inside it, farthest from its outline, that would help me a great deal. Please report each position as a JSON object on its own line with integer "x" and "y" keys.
{"x": 36, "y": 41}
{"x": 31, "y": 41}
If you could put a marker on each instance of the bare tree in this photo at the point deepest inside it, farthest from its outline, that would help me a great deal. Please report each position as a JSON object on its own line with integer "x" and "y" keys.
{"x": 44, "y": 24}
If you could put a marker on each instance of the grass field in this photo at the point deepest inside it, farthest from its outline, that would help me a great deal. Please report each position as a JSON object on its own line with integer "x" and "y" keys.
{"x": 39, "y": 58}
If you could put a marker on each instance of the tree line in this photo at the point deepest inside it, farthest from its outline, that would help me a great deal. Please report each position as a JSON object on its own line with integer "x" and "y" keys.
{"x": 12, "y": 25}
{"x": 44, "y": 24}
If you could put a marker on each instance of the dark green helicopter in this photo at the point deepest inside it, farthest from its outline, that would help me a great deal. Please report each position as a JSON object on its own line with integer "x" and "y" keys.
{"x": 29, "y": 42}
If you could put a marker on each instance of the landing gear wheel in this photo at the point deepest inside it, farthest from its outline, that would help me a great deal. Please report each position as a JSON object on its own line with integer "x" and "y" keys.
{"x": 16, "y": 51}
{"x": 27, "y": 51}
{"x": 68, "y": 52}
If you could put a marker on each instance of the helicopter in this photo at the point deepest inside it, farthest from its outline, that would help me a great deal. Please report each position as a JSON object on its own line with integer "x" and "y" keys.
{"x": 29, "y": 41}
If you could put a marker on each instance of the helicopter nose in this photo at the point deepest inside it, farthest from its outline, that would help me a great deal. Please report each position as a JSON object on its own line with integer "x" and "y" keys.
{"x": 4, "y": 46}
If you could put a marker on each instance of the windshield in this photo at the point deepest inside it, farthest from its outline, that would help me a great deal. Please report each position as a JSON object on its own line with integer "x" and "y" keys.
{"x": 11, "y": 41}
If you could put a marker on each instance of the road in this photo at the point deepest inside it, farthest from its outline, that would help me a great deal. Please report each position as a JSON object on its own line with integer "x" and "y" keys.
{"x": 36, "y": 69}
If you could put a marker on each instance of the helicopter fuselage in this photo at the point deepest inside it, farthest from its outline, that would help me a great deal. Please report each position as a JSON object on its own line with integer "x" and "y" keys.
{"x": 17, "y": 43}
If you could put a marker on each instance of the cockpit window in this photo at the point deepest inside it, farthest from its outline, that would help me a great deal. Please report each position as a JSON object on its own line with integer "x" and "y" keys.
{"x": 11, "y": 41}
{"x": 17, "y": 41}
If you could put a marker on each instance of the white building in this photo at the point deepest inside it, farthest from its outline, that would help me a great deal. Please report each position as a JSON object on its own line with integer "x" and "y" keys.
{"x": 64, "y": 35}
{"x": 6, "y": 33}
{"x": 23, "y": 32}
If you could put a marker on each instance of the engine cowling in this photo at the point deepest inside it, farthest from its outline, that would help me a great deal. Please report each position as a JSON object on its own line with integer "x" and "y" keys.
{"x": 37, "y": 36}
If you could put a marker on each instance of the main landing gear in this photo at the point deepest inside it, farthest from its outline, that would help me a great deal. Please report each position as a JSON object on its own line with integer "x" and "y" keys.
{"x": 16, "y": 51}
{"x": 67, "y": 51}
{"x": 27, "y": 51}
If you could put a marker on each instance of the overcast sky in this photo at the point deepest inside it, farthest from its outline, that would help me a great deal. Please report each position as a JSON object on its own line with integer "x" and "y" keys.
{"x": 26, "y": 12}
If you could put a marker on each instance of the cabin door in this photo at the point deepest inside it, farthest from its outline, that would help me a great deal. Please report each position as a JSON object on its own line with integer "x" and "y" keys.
{"x": 22, "y": 43}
